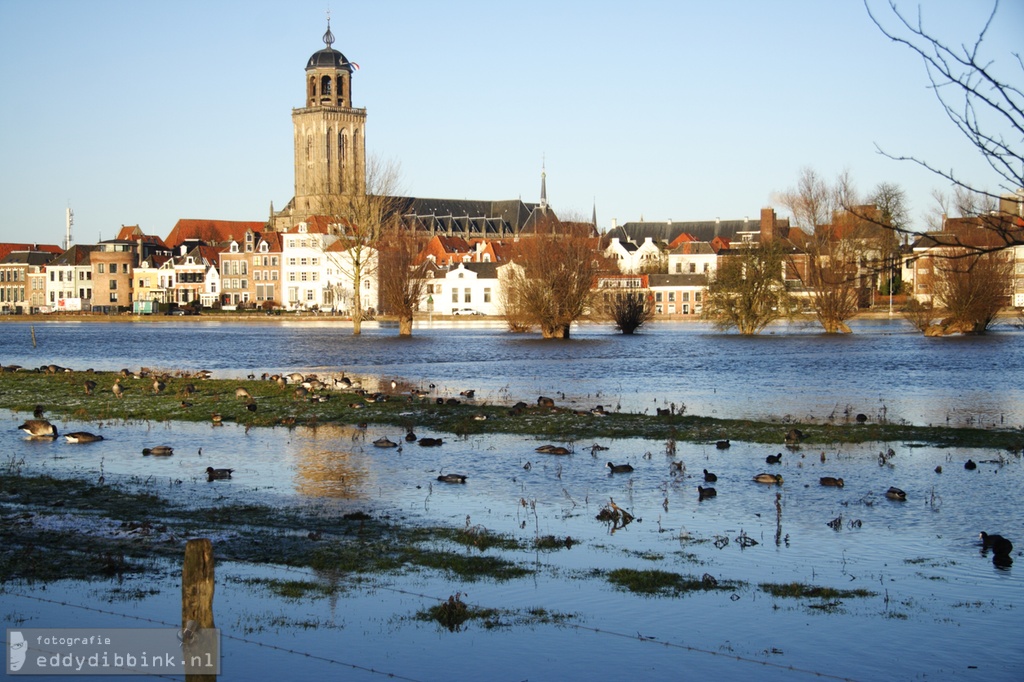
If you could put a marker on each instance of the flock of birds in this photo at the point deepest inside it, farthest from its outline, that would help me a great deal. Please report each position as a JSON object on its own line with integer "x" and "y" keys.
{"x": 309, "y": 388}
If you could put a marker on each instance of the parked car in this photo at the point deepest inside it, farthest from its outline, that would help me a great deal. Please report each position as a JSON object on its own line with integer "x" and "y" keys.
{"x": 464, "y": 311}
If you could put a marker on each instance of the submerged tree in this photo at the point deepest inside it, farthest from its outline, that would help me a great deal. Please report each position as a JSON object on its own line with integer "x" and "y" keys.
{"x": 747, "y": 291}
{"x": 360, "y": 219}
{"x": 401, "y": 280}
{"x": 630, "y": 311}
{"x": 552, "y": 287}
{"x": 972, "y": 288}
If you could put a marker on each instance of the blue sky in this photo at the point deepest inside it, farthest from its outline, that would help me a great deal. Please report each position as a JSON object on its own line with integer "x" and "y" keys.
{"x": 147, "y": 112}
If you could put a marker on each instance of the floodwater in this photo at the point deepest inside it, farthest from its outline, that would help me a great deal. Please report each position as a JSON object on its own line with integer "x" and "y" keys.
{"x": 940, "y": 610}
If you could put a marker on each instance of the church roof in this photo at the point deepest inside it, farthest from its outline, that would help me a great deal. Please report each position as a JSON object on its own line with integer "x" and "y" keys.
{"x": 328, "y": 58}
{"x": 210, "y": 231}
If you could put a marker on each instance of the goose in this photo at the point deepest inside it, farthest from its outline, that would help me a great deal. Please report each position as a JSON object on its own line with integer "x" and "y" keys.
{"x": 89, "y": 385}
{"x": 82, "y": 437}
{"x": 831, "y": 482}
{"x": 39, "y": 428}
{"x": 431, "y": 442}
{"x": 469, "y": 393}
{"x": 999, "y": 545}
{"x": 772, "y": 479}
{"x": 774, "y": 459}
{"x": 710, "y": 477}
{"x": 723, "y": 444}
{"x": 38, "y": 411}
{"x": 158, "y": 451}
{"x": 452, "y": 478}
{"x": 705, "y": 493}
{"x": 619, "y": 468}
{"x": 557, "y": 450}
{"x": 970, "y": 465}
{"x": 794, "y": 437}
{"x": 117, "y": 388}
{"x": 242, "y": 394}
{"x": 385, "y": 442}
{"x": 218, "y": 474}
{"x": 896, "y": 494}
{"x": 158, "y": 386}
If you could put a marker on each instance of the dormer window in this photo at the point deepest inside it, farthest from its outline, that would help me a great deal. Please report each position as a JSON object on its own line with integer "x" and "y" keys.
{"x": 264, "y": 247}
{"x": 234, "y": 247}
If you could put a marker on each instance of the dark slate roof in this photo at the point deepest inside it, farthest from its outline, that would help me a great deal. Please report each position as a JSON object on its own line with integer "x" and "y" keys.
{"x": 680, "y": 280}
{"x": 27, "y": 258}
{"x": 76, "y": 255}
{"x": 466, "y": 217}
{"x": 482, "y": 270}
{"x": 328, "y": 58}
{"x": 702, "y": 231}
{"x": 693, "y": 248}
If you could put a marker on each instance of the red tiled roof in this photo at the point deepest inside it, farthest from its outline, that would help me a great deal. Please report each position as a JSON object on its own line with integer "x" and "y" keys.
{"x": 211, "y": 231}
{"x": 682, "y": 238}
{"x": 6, "y": 248}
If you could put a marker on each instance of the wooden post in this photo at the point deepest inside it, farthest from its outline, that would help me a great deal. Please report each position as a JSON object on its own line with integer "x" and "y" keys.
{"x": 197, "y": 592}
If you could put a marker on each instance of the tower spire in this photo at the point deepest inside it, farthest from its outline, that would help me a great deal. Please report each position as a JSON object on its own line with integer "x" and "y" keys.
{"x": 328, "y": 36}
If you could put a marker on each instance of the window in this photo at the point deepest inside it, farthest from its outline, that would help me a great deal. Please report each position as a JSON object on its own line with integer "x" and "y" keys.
{"x": 467, "y": 295}
{"x": 366, "y": 284}
{"x": 672, "y": 309}
{"x": 679, "y": 268}
{"x": 113, "y": 284}
{"x": 686, "y": 296}
{"x": 273, "y": 275}
{"x": 256, "y": 275}
{"x": 696, "y": 297}
{"x": 291, "y": 276}
{"x": 487, "y": 294}
{"x": 99, "y": 268}
{"x": 53, "y": 276}
{"x": 455, "y": 295}
{"x": 314, "y": 261}
{"x": 245, "y": 284}
{"x": 707, "y": 267}
{"x": 693, "y": 267}
{"x": 273, "y": 261}
{"x": 113, "y": 268}
{"x": 686, "y": 309}
{"x": 113, "y": 297}
{"x": 309, "y": 294}
{"x": 672, "y": 299}
{"x": 657, "y": 297}
{"x": 302, "y": 261}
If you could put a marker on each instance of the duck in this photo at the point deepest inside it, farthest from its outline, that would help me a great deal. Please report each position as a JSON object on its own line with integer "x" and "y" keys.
{"x": 831, "y": 482}
{"x": 158, "y": 451}
{"x": 410, "y": 437}
{"x": 970, "y": 465}
{"x": 452, "y": 478}
{"x": 619, "y": 468}
{"x": 723, "y": 444}
{"x": 774, "y": 459}
{"x": 999, "y": 545}
{"x": 385, "y": 442}
{"x": 705, "y": 493}
{"x": 39, "y": 428}
{"x": 430, "y": 442}
{"x": 218, "y": 474}
{"x": 710, "y": 477}
{"x": 772, "y": 479}
{"x": 82, "y": 437}
{"x": 894, "y": 493}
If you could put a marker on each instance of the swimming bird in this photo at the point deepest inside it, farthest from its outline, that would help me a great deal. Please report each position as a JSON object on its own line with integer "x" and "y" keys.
{"x": 410, "y": 437}
{"x": 723, "y": 444}
{"x": 385, "y": 442}
{"x": 39, "y": 428}
{"x": 82, "y": 437}
{"x": 117, "y": 388}
{"x": 999, "y": 545}
{"x": 896, "y": 494}
{"x": 452, "y": 478}
{"x": 774, "y": 459}
{"x": 430, "y": 442}
{"x": 831, "y": 482}
{"x": 705, "y": 493}
{"x": 794, "y": 437}
{"x": 619, "y": 468}
{"x": 218, "y": 474}
{"x": 710, "y": 477}
{"x": 970, "y": 465}
{"x": 38, "y": 412}
{"x": 158, "y": 451}
{"x": 773, "y": 479}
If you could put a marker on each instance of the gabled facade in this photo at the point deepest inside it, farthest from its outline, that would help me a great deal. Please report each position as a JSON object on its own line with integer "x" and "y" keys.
{"x": 22, "y": 281}
{"x": 470, "y": 287}
{"x": 692, "y": 258}
{"x": 265, "y": 283}
{"x": 69, "y": 279}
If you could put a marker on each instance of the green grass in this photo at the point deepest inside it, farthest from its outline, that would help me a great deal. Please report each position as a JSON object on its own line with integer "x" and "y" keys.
{"x": 666, "y": 583}
{"x": 63, "y": 396}
{"x": 804, "y": 591}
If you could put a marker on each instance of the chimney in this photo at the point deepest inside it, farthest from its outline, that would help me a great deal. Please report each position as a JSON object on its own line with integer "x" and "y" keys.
{"x": 615, "y": 223}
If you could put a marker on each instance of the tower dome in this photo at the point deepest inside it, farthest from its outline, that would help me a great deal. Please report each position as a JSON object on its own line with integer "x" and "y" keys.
{"x": 328, "y": 58}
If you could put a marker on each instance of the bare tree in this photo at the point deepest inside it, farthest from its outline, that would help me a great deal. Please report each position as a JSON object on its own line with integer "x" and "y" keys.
{"x": 630, "y": 311}
{"x": 919, "y": 314}
{"x": 511, "y": 302}
{"x": 559, "y": 266}
{"x": 747, "y": 291}
{"x": 972, "y": 288}
{"x": 360, "y": 218}
{"x": 984, "y": 105}
{"x": 402, "y": 282}
{"x": 835, "y": 247}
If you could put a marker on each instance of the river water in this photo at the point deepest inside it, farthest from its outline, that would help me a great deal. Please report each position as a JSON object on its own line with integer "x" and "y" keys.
{"x": 939, "y": 609}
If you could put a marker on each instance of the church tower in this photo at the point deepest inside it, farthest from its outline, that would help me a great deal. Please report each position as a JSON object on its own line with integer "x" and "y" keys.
{"x": 330, "y": 151}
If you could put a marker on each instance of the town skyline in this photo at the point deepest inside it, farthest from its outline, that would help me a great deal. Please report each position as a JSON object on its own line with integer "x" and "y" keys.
{"x": 141, "y": 127}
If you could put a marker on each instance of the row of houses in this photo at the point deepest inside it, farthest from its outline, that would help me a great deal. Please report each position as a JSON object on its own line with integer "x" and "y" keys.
{"x": 240, "y": 264}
